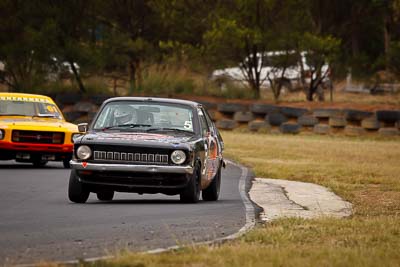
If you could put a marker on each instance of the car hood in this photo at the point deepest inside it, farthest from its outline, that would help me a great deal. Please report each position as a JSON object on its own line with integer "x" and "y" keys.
{"x": 29, "y": 123}
{"x": 136, "y": 139}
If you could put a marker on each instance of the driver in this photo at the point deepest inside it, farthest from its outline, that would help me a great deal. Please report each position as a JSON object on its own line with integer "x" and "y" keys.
{"x": 125, "y": 115}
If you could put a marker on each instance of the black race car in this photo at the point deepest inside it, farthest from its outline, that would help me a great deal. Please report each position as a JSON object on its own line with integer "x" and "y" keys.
{"x": 147, "y": 145}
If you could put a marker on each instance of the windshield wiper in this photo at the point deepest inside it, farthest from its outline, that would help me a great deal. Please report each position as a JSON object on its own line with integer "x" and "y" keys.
{"x": 130, "y": 125}
{"x": 45, "y": 116}
{"x": 168, "y": 129}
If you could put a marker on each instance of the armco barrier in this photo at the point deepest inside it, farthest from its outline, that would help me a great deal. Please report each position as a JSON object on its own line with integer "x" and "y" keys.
{"x": 268, "y": 118}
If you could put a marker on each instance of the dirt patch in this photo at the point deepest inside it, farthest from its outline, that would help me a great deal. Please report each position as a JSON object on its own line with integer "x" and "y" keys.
{"x": 351, "y": 104}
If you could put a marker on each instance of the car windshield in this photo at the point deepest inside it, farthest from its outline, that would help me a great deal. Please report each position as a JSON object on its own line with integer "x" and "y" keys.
{"x": 139, "y": 116}
{"x": 29, "y": 107}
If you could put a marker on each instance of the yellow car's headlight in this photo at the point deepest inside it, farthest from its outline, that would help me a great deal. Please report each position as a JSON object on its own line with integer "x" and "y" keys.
{"x": 2, "y": 134}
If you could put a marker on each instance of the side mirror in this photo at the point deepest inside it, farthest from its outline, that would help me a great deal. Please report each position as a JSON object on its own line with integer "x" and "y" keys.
{"x": 82, "y": 127}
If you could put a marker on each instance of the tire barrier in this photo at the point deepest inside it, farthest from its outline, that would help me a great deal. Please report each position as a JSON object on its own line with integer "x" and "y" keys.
{"x": 390, "y": 116}
{"x": 98, "y": 99}
{"x": 215, "y": 115}
{"x": 263, "y": 109}
{"x": 266, "y": 118}
{"x": 227, "y": 124}
{"x": 337, "y": 122}
{"x": 290, "y": 128}
{"x": 307, "y": 121}
{"x": 354, "y": 130}
{"x": 293, "y": 112}
{"x": 356, "y": 115}
{"x": 321, "y": 129}
{"x": 389, "y": 131}
{"x": 68, "y": 99}
{"x": 370, "y": 124}
{"x": 255, "y": 126}
{"x": 209, "y": 105}
{"x": 243, "y": 116}
{"x": 231, "y": 108}
{"x": 326, "y": 112}
{"x": 74, "y": 116}
{"x": 276, "y": 119}
{"x": 85, "y": 107}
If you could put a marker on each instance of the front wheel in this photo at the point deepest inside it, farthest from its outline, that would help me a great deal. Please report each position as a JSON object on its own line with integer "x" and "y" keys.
{"x": 77, "y": 192}
{"x": 191, "y": 193}
{"x": 211, "y": 193}
{"x": 39, "y": 163}
{"x": 66, "y": 163}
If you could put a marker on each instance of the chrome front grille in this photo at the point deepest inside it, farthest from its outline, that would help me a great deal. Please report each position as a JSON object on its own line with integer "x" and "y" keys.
{"x": 131, "y": 157}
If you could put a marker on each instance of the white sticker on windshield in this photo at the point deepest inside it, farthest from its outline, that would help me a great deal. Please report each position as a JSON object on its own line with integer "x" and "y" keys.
{"x": 188, "y": 125}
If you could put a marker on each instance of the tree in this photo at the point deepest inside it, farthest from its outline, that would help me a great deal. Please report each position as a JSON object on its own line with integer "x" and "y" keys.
{"x": 319, "y": 51}
{"x": 21, "y": 49}
{"x": 243, "y": 31}
{"x": 138, "y": 28}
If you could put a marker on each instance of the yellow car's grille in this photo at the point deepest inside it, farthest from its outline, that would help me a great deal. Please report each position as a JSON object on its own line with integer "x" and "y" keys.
{"x": 39, "y": 137}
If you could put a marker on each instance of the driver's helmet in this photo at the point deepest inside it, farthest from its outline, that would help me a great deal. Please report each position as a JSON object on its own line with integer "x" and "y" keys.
{"x": 125, "y": 114}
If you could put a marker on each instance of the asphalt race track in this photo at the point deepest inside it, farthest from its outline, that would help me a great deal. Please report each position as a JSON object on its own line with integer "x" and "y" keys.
{"x": 38, "y": 222}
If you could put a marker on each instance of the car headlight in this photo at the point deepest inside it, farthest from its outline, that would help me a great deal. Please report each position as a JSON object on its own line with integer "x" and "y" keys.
{"x": 178, "y": 157}
{"x": 83, "y": 152}
{"x": 1, "y": 134}
{"x": 73, "y": 136}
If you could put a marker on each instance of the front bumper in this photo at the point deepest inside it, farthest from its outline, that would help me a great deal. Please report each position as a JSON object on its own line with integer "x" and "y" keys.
{"x": 28, "y": 155}
{"x": 105, "y": 167}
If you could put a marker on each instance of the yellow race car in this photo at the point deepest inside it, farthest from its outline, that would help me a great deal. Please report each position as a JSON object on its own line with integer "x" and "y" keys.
{"x": 33, "y": 129}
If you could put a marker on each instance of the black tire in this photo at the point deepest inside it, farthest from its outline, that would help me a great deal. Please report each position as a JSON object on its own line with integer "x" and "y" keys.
{"x": 243, "y": 116}
{"x": 338, "y": 122}
{"x": 326, "y": 112}
{"x": 211, "y": 193}
{"x": 77, "y": 192}
{"x": 191, "y": 193}
{"x": 293, "y": 112}
{"x": 388, "y": 131}
{"x": 105, "y": 195}
{"x": 230, "y": 108}
{"x": 371, "y": 124}
{"x": 259, "y": 125}
{"x": 290, "y": 128}
{"x": 388, "y": 115}
{"x": 226, "y": 124}
{"x": 356, "y": 115}
{"x": 66, "y": 163}
{"x": 354, "y": 130}
{"x": 321, "y": 129}
{"x": 39, "y": 163}
{"x": 263, "y": 109}
{"x": 307, "y": 120}
{"x": 276, "y": 119}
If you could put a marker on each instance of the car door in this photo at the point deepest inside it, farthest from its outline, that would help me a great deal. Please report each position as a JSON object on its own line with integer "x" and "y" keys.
{"x": 211, "y": 159}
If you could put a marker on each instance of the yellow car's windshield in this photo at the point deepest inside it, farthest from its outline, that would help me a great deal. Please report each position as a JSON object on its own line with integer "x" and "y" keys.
{"x": 27, "y": 108}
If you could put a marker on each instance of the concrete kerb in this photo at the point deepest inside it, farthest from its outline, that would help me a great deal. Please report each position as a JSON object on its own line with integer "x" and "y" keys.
{"x": 283, "y": 198}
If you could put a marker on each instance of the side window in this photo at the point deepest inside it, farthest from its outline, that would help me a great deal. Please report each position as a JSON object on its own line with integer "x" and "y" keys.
{"x": 209, "y": 121}
{"x": 203, "y": 123}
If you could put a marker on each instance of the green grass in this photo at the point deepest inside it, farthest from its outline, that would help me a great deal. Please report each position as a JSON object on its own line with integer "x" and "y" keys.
{"x": 364, "y": 171}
